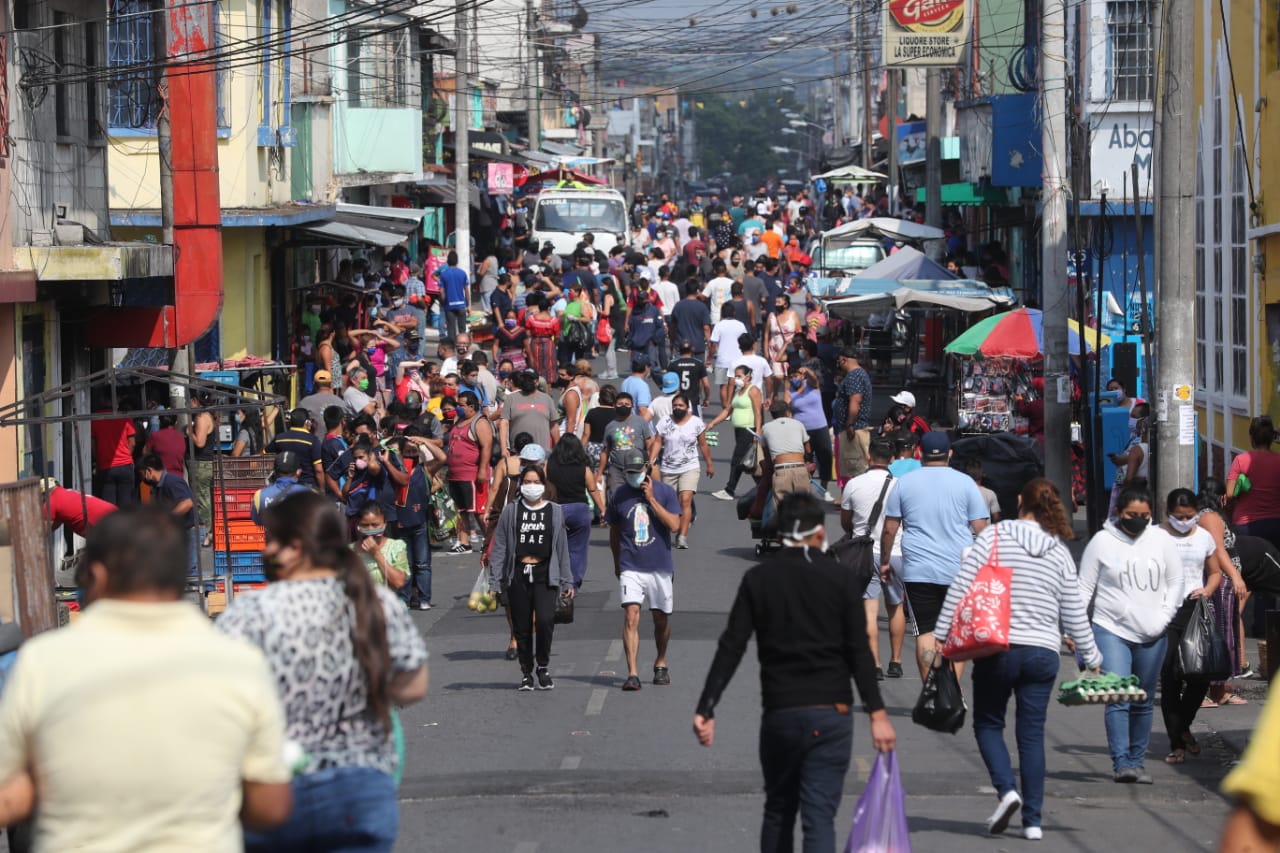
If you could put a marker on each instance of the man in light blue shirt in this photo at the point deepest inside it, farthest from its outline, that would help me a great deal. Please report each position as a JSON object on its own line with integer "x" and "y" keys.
{"x": 939, "y": 510}
{"x": 637, "y": 385}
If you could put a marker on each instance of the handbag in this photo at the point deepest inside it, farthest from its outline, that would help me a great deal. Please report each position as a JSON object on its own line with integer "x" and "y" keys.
{"x": 604, "y": 332}
{"x": 751, "y": 459}
{"x": 880, "y": 818}
{"x": 941, "y": 705}
{"x": 857, "y": 553}
{"x": 564, "y": 609}
{"x": 1202, "y": 653}
{"x": 981, "y": 623}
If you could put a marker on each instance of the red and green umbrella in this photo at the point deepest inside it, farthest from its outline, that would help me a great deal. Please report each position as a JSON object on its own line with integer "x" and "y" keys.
{"x": 1018, "y": 334}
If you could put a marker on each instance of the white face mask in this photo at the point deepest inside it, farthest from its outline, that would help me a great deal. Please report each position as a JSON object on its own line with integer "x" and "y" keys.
{"x": 1182, "y": 525}
{"x": 739, "y": 382}
{"x": 532, "y": 492}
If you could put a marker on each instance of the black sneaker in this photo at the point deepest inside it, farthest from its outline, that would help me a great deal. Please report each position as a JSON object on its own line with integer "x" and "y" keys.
{"x": 895, "y": 670}
{"x": 632, "y": 683}
{"x": 879, "y": 674}
{"x": 544, "y": 679}
{"x": 526, "y": 683}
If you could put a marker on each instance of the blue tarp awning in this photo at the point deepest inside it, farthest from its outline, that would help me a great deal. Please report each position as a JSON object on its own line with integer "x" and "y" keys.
{"x": 907, "y": 263}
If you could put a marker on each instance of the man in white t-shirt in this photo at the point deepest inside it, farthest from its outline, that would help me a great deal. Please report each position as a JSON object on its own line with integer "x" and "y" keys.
{"x": 660, "y": 407}
{"x": 718, "y": 290}
{"x": 668, "y": 292}
{"x": 724, "y": 350}
{"x": 786, "y": 443}
{"x": 857, "y": 503}
{"x": 681, "y": 438}
{"x": 761, "y": 371}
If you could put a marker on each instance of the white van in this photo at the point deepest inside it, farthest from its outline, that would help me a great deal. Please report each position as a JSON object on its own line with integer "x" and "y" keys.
{"x": 562, "y": 216}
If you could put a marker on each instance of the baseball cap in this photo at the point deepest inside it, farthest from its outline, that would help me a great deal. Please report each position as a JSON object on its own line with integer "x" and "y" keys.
{"x": 670, "y": 383}
{"x": 532, "y": 452}
{"x": 934, "y": 445}
{"x": 323, "y": 377}
{"x": 633, "y": 460}
{"x": 288, "y": 462}
{"x": 904, "y": 398}
{"x": 412, "y": 335}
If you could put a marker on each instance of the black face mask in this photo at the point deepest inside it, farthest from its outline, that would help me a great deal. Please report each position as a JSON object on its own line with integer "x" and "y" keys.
{"x": 679, "y": 414}
{"x": 623, "y": 412}
{"x": 1134, "y": 526}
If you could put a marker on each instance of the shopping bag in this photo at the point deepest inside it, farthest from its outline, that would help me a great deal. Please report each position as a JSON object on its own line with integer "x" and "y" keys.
{"x": 604, "y": 332}
{"x": 941, "y": 704}
{"x": 980, "y": 626}
{"x": 1203, "y": 651}
{"x": 444, "y": 517}
{"x": 880, "y": 818}
{"x": 564, "y": 609}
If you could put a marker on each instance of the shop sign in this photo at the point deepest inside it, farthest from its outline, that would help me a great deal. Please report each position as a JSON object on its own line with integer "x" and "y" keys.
{"x": 925, "y": 32}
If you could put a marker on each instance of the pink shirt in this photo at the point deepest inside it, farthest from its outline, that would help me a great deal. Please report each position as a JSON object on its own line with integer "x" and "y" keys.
{"x": 1262, "y": 501}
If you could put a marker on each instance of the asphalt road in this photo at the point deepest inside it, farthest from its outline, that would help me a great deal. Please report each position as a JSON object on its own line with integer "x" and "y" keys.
{"x": 587, "y": 768}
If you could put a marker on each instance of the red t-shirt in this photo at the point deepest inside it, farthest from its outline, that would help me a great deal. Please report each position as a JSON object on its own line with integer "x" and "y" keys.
{"x": 1262, "y": 501}
{"x": 171, "y": 446}
{"x": 111, "y": 442}
{"x": 69, "y": 508}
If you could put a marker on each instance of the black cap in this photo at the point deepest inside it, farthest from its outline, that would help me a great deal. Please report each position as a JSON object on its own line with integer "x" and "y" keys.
{"x": 288, "y": 463}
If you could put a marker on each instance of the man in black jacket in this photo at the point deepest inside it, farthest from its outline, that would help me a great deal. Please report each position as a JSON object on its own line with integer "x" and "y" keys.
{"x": 811, "y": 638}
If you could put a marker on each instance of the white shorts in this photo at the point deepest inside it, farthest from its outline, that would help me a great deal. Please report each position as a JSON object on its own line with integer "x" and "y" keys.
{"x": 635, "y": 587}
{"x": 686, "y": 481}
{"x": 719, "y": 376}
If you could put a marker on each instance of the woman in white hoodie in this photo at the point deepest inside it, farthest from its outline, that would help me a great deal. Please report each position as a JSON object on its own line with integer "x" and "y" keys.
{"x": 1132, "y": 574}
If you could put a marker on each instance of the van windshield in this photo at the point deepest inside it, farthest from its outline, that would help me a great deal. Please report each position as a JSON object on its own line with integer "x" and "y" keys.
{"x": 857, "y": 256}
{"x": 579, "y": 215}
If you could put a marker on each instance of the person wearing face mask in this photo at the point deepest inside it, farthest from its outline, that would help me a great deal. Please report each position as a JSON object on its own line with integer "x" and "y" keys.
{"x": 386, "y": 559}
{"x": 1181, "y": 695}
{"x": 806, "y": 613}
{"x": 805, "y": 398}
{"x": 746, "y": 409}
{"x": 366, "y": 477}
{"x": 171, "y": 492}
{"x": 343, "y": 652}
{"x": 1131, "y": 575}
{"x": 529, "y": 563}
{"x": 627, "y": 431}
{"x": 642, "y": 515}
{"x": 681, "y": 439}
{"x": 356, "y": 395}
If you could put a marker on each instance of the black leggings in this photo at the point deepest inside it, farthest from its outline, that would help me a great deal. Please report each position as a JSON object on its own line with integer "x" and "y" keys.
{"x": 742, "y": 441}
{"x": 527, "y": 598}
{"x": 820, "y": 442}
{"x": 1180, "y": 696}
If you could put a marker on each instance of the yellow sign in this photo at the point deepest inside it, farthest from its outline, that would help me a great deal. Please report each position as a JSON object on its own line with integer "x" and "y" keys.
{"x": 1182, "y": 393}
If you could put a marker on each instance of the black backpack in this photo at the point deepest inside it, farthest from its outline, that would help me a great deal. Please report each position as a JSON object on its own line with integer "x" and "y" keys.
{"x": 856, "y": 553}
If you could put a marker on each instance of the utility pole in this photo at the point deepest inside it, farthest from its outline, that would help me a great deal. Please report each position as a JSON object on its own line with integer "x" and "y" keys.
{"x": 1174, "y": 292}
{"x": 532, "y": 91}
{"x": 1055, "y": 300}
{"x": 933, "y": 157}
{"x": 164, "y": 144}
{"x": 462, "y": 142}
{"x": 836, "y": 80}
{"x": 864, "y": 45}
{"x": 892, "y": 112}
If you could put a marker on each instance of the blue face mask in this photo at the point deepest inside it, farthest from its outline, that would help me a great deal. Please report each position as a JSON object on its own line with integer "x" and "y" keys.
{"x": 636, "y": 479}
{"x": 796, "y": 384}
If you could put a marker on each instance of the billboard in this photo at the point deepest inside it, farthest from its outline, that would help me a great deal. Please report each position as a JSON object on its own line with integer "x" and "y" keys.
{"x": 925, "y": 32}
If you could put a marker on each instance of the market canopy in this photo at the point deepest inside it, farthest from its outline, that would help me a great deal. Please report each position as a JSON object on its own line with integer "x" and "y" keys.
{"x": 903, "y": 230}
{"x": 850, "y": 174}
{"x": 908, "y": 263}
{"x": 1018, "y": 334}
{"x": 961, "y": 295}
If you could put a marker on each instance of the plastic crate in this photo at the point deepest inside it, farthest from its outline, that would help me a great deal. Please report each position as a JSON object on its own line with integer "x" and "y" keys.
{"x": 246, "y": 566}
{"x": 238, "y": 536}
{"x": 233, "y": 503}
{"x": 259, "y": 465}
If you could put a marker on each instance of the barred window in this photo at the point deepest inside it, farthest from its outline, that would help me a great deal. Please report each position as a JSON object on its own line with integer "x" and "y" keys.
{"x": 1130, "y": 50}
{"x": 132, "y": 97}
{"x": 377, "y": 70}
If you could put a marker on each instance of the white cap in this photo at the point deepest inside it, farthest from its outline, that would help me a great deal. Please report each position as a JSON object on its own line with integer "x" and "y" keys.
{"x": 904, "y": 398}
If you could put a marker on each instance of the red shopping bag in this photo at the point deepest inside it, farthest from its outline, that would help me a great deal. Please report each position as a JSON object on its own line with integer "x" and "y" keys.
{"x": 980, "y": 626}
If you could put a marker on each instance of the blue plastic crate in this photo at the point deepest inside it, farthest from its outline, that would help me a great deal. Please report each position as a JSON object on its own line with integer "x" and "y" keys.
{"x": 245, "y": 565}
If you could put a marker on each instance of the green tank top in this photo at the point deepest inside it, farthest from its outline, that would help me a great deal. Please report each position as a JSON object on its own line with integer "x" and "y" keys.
{"x": 744, "y": 414}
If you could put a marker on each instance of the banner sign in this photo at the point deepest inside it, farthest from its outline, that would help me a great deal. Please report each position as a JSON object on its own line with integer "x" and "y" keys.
{"x": 501, "y": 179}
{"x": 925, "y": 32}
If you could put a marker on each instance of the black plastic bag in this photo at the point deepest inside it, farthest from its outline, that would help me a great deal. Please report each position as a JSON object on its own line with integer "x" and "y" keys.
{"x": 1202, "y": 653}
{"x": 941, "y": 704}
{"x": 564, "y": 609}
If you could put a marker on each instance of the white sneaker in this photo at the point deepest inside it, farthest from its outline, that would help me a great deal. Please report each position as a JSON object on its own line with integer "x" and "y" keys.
{"x": 1032, "y": 833}
{"x": 722, "y": 495}
{"x": 682, "y": 542}
{"x": 999, "y": 819}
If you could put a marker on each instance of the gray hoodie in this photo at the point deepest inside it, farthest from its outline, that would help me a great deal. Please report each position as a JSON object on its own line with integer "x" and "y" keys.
{"x": 1044, "y": 597}
{"x": 502, "y": 559}
{"x": 1135, "y": 585}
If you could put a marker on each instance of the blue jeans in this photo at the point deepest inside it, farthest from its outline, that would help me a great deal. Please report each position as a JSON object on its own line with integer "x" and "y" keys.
{"x": 1029, "y": 673}
{"x": 1129, "y": 723}
{"x": 577, "y": 522}
{"x": 418, "y": 543}
{"x": 339, "y": 810}
{"x": 804, "y": 753}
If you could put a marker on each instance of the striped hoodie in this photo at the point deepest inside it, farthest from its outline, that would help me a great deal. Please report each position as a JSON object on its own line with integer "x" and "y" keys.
{"x": 1045, "y": 599}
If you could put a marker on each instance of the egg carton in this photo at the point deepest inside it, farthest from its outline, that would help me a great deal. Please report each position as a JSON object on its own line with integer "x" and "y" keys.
{"x": 1102, "y": 690}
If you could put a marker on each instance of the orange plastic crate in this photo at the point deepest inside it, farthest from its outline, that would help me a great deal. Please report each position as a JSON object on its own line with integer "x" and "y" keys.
{"x": 235, "y": 504}
{"x": 238, "y": 536}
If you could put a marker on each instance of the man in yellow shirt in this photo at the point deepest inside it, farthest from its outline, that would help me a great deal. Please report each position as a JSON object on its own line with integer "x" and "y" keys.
{"x": 1254, "y": 824}
{"x": 140, "y": 726}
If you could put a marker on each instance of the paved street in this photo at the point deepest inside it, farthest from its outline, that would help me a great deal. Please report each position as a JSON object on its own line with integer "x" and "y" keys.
{"x": 589, "y": 768}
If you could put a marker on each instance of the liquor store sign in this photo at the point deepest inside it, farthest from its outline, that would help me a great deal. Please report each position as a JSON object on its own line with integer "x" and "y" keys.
{"x": 925, "y": 32}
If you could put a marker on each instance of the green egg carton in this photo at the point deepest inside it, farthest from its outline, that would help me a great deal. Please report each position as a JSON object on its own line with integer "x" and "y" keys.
{"x": 1101, "y": 690}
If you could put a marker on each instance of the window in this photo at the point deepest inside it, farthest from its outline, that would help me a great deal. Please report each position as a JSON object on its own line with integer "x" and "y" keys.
{"x": 1130, "y": 50}
{"x": 1214, "y": 239}
{"x": 377, "y": 70}
{"x": 1202, "y": 345}
{"x": 1239, "y": 277}
{"x": 61, "y": 91}
{"x": 276, "y": 25}
{"x": 92, "y": 60}
{"x": 223, "y": 90}
{"x": 132, "y": 99}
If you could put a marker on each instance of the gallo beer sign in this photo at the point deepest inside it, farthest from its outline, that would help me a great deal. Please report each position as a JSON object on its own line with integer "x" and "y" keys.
{"x": 925, "y": 32}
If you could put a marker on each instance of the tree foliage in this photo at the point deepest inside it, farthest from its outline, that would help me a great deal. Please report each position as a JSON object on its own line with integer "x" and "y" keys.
{"x": 738, "y": 135}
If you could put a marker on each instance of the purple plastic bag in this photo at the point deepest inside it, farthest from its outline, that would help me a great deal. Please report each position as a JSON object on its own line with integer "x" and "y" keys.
{"x": 880, "y": 820}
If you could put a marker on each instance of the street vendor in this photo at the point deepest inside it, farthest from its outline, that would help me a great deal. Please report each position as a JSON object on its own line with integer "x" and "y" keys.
{"x": 77, "y": 511}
